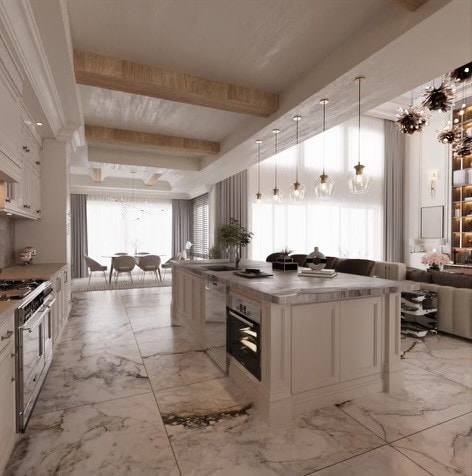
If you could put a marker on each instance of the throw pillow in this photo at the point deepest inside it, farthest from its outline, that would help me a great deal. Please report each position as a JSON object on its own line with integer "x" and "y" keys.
{"x": 418, "y": 275}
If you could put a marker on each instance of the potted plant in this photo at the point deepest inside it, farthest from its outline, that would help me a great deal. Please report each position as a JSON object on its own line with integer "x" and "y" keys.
{"x": 234, "y": 236}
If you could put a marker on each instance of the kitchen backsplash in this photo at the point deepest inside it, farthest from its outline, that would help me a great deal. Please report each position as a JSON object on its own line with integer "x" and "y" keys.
{"x": 7, "y": 242}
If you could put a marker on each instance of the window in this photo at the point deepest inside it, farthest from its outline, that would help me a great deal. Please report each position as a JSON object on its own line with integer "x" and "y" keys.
{"x": 200, "y": 226}
{"x": 346, "y": 225}
{"x": 118, "y": 224}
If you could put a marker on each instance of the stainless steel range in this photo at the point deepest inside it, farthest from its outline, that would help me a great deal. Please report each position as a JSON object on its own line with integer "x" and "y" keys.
{"x": 33, "y": 341}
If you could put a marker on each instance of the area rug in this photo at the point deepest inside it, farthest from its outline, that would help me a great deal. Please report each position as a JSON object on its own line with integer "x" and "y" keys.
{"x": 97, "y": 284}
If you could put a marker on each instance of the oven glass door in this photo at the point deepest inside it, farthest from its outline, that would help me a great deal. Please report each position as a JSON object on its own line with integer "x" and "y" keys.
{"x": 243, "y": 341}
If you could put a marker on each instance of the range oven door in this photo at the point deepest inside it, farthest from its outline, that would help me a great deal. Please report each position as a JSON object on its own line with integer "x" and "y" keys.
{"x": 34, "y": 355}
{"x": 243, "y": 341}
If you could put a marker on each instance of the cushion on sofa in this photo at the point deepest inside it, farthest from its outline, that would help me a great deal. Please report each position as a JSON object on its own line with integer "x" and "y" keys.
{"x": 454, "y": 280}
{"x": 363, "y": 267}
{"x": 418, "y": 275}
{"x": 331, "y": 262}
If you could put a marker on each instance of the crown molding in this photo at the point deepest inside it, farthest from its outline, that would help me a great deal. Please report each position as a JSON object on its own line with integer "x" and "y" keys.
{"x": 17, "y": 21}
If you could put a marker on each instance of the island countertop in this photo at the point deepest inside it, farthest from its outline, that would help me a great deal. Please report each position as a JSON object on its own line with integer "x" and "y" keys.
{"x": 286, "y": 287}
{"x": 34, "y": 271}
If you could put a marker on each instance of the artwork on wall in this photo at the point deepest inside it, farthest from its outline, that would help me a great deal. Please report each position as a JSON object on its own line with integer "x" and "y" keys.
{"x": 432, "y": 222}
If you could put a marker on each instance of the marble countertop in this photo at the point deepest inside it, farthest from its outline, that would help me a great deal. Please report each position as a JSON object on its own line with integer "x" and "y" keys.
{"x": 35, "y": 271}
{"x": 7, "y": 308}
{"x": 286, "y": 287}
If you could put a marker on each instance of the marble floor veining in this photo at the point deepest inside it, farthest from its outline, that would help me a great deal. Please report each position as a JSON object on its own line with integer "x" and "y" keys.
{"x": 129, "y": 393}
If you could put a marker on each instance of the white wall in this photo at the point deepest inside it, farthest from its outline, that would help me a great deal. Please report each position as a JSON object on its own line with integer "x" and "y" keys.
{"x": 423, "y": 155}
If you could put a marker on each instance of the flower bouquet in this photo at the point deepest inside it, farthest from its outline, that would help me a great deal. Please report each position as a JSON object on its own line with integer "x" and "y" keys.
{"x": 435, "y": 259}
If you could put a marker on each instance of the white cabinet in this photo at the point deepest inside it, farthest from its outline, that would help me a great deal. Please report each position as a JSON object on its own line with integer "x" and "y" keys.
{"x": 7, "y": 391}
{"x": 189, "y": 298}
{"x": 61, "y": 309}
{"x": 335, "y": 342}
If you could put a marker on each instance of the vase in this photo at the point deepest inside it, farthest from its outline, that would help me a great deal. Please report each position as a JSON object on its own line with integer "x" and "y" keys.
{"x": 232, "y": 252}
{"x": 316, "y": 259}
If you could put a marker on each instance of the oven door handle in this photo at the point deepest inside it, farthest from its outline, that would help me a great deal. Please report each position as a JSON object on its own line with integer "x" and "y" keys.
{"x": 34, "y": 321}
{"x": 239, "y": 318}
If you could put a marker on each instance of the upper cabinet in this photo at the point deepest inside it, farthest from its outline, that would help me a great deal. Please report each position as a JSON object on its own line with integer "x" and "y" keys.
{"x": 20, "y": 146}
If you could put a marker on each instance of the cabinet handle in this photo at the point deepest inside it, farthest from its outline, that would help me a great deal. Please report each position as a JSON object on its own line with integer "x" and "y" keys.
{"x": 25, "y": 206}
{"x": 8, "y": 200}
{"x": 38, "y": 162}
{"x": 38, "y": 211}
{"x": 12, "y": 379}
{"x": 7, "y": 335}
{"x": 26, "y": 148}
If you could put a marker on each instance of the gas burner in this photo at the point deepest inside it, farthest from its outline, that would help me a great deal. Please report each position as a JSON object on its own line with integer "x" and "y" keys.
{"x": 16, "y": 289}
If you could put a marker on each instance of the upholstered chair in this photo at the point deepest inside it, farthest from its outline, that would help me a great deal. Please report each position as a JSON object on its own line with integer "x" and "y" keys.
{"x": 150, "y": 263}
{"x": 123, "y": 264}
{"x": 94, "y": 266}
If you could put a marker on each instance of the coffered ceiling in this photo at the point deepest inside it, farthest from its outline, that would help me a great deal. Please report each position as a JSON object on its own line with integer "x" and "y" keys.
{"x": 156, "y": 75}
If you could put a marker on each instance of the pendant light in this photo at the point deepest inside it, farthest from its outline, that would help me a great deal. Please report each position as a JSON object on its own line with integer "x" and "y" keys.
{"x": 299, "y": 190}
{"x": 359, "y": 181}
{"x": 277, "y": 194}
{"x": 258, "y": 194}
{"x": 324, "y": 184}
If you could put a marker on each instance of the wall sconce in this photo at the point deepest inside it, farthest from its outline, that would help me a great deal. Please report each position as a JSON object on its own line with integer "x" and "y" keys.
{"x": 432, "y": 182}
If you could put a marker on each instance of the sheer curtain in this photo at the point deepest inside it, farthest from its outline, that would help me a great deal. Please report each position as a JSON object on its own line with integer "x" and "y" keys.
{"x": 346, "y": 225}
{"x": 119, "y": 224}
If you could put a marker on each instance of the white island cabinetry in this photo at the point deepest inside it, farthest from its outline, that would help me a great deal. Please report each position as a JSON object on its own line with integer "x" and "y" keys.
{"x": 322, "y": 341}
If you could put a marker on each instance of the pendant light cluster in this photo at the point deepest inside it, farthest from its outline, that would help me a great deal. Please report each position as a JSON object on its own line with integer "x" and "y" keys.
{"x": 359, "y": 181}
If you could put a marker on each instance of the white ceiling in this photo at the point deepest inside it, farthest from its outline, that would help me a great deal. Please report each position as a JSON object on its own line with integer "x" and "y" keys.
{"x": 302, "y": 49}
{"x": 257, "y": 43}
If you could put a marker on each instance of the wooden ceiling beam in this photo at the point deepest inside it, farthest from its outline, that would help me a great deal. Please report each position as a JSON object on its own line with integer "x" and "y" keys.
{"x": 151, "y": 179}
{"x": 411, "y": 5}
{"x": 121, "y": 75}
{"x": 96, "y": 174}
{"x": 106, "y": 135}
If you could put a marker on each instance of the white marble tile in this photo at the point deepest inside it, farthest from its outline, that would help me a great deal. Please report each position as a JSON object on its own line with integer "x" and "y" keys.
{"x": 443, "y": 355}
{"x": 77, "y": 379}
{"x": 427, "y": 399}
{"x": 145, "y": 324}
{"x": 174, "y": 370}
{"x": 444, "y": 449}
{"x": 243, "y": 445}
{"x": 383, "y": 461}
{"x": 119, "y": 437}
{"x": 203, "y": 398}
{"x": 168, "y": 340}
{"x": 144, "y": 312}
{"x": 146, "y": 301}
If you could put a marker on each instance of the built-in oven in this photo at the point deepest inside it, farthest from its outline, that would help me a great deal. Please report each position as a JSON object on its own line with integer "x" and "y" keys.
{"x": 243, "y": 334}
{"x": 33, "y": 350}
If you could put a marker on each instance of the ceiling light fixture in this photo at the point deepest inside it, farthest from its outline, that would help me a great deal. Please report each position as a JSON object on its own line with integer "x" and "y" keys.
{"x": 299, "y": 190}
{"x": 258, "y": 194}
{"x": 359, "y": 181}
{"x": 324, "y": 184}
{"x": 278, "y": 195}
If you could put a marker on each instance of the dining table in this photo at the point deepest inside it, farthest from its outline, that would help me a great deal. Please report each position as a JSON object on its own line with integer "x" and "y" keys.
{"x": 112, "y": 257}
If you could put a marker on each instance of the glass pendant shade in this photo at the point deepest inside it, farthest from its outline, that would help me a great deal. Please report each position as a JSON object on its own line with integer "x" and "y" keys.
{"x": 277, "y": 195}
{"x": 359, "y": 181}
{"x": 324, "y": 186}
{"x": 298, "y": 192}
{"x": 258, "y": 198}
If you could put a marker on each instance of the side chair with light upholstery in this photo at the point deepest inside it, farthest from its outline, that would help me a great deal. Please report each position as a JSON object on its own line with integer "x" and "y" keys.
{"x": 150, "y": 263}
{"x": 123, "y": 264}
{"x": 94, "y": 266}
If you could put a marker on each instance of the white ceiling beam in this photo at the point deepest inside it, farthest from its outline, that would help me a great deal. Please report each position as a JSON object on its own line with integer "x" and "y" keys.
{"x": 120, "y": 75}
{"x": 150, "y": 179}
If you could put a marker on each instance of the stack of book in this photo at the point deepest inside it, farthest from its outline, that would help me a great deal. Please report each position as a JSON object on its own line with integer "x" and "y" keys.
{"x": 322, "y": 273}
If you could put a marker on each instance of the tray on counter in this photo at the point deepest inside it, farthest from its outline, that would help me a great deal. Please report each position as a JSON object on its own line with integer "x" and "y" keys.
{"x": 249, "y": 275}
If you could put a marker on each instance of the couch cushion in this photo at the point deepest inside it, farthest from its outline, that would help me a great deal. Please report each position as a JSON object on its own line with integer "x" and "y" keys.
{"x": 363, "y": 267}
{"x": 455, "y": 280}
{"x": 331, "y": 262}
{"x": 418, "y": 275}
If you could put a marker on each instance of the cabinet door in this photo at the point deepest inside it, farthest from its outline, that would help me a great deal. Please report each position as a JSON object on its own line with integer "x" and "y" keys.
{"x": 7, "y": 404}
{"x": 35, "y": 193}
{"x": 361, "y": 343}
{"x": 315, "y": 346}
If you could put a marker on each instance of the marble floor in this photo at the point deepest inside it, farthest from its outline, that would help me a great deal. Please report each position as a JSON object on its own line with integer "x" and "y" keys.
{"x": 130, "y": 394}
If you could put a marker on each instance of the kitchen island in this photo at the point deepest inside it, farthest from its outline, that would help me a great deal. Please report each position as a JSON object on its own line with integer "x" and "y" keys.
{"x": 320, "y": 341}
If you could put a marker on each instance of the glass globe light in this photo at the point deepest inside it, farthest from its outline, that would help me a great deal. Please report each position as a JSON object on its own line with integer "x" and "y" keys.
{"x": 258, "y": 198}
{"x": 324, "y": 186}
{"x": 359, "y": 181}
{"x": 278, "y": 195}
{"x": 298, "y": 192}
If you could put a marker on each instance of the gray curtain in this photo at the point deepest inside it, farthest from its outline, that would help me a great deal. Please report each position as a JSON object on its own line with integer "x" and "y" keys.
{"x": 394, "y": 192}
{"x": 181, "y": 224}
{"x": 79, "y": 244}
{"x": 231, "y": 201}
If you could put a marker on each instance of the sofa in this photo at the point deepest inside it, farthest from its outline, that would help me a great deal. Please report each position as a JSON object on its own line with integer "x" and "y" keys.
{"x": 454, "y": 292}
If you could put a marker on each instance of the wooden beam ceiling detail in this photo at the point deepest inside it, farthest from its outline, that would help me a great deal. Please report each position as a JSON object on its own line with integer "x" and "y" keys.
{"x": 151, "y": 179}
{"x": 121, "y": 75}
{"x": 96, "y": 175}
{"x": 106, "y": 135}
{"x": 411, "y": 5}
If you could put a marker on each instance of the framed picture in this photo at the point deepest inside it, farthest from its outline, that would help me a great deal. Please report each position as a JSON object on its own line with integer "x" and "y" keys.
{"x": 432, "y": 222}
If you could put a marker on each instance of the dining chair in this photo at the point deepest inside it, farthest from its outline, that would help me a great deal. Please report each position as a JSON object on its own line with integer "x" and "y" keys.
{"x": 168, "y": 264}
{"x": 94, "y": 266}
{"x": 150, "y": 263}
{"x": 123, "y": 264}
{"x": 139, "y": 255}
